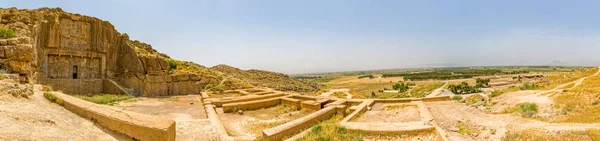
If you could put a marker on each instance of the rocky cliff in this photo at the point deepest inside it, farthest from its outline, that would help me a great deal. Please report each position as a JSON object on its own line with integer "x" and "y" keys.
{"x": 71, "y": 50}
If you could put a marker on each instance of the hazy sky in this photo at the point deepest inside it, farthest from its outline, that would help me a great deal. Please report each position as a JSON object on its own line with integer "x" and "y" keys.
{"x": 341, "y": 35}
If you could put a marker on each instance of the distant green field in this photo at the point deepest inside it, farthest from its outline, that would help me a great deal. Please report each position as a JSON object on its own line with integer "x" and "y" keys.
{"x": 439, "y": 73}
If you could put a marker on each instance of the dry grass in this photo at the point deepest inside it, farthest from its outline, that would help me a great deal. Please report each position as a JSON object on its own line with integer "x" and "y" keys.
{"x": 594, "y": 134}
{"x": 395, "y": 107}
{"x": 362, "y": 88}
{"x": 475, "y": 100}
{"x": 466, "y": 129}
{"x": 108, "y": 99}
{"x": 558, "y": 78}
{"x": 339, "y": 94}
{"x": 328, "y": 130}
{"x": 544, "y": 135}
{"x": 579, "y": 103}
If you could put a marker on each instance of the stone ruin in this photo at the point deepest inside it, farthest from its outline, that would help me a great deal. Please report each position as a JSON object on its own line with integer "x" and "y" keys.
{"x": 81, "y": 55}
{"x": 84, "y": 55}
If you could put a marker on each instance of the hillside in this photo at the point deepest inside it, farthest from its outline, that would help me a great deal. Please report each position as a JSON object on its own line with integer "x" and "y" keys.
{"x": 72, "y": 52}
{"x": 269, "y": 79}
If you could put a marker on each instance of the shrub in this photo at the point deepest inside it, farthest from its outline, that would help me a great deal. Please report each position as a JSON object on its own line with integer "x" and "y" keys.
{"x": 316, "y": 129}
{"x": 173, "y": 64}
{"x": 53, "y": 98}
{"x": 6, "y": 33}
{"x": 329, "y": 130}
{"x": 463, "y": 88}
{"x": 475, "y": 100}
{"x": 104, "y": 98}
{"x": 496, "y": 93}
{"x": 530, "y": 86}
{"x": 457, "y": 97}
{"x": 50, "y": 96}
{"x": 527, "y": 109}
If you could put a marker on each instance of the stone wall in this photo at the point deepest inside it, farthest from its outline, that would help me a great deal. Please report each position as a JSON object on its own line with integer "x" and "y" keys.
{"x": 138, "y": 126}
{"x": 16, "y": 55}
{"x": 76, "y": 86}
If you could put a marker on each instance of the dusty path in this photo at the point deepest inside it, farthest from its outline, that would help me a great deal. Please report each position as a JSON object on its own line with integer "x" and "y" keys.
{"x": 542, "y": 98}
{"x": 438, "y": 91}
{"x": 576, "y": 83}
{"x": 38, "y": 119}
{"x": 220, "y": 83}
{"x": 344, "y": 90}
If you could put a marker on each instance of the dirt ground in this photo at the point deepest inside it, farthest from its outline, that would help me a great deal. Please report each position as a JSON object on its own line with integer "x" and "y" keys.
{"x": 421, "y": 136}
{"x": 176, "y": 107}
{"x": 187, "y": 111}
{"x": 464, "y": 122}
{"x": 390, "y": 113}
{"x": 249, "y": 126}
{"x": 509, "y": 100}
{"x": 38, "y": 119}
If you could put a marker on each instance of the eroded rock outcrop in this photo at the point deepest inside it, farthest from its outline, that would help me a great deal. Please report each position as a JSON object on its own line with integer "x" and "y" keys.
{"x": 67, "y": 50}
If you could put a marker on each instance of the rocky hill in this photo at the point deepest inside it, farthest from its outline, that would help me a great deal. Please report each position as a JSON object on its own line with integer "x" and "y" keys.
{"x": 77, "y": 54}
{"x": 269, "y": 79}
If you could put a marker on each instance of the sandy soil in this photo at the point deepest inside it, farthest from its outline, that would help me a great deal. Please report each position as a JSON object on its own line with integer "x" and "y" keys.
{"x": 543, "y": 99}
{"x": 390, "y": 113}
{"x": 449, "y": 114}
{"x": 38, "y": 119}
{"x": 187, "y": 111}
{"x": 175, "y": 107}
{"x": 249, "y": 126}
{"x": 422, "y": 136}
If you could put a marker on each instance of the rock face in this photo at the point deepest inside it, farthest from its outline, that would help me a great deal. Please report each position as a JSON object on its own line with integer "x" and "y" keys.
{"x": 70, "y": 50}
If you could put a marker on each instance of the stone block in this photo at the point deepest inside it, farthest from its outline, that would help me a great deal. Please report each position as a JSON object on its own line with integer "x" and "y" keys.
{"x": 24, "y": 40}
{"x": 12, "y": 41}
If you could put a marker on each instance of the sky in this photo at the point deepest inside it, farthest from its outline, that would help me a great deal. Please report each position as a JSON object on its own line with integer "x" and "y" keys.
{"x": 307, "y": 36}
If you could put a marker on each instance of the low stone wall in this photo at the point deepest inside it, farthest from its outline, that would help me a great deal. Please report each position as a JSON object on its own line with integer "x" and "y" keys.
{"x": 251, "y": 105}
{"x": 214, "y": 120}
{"x": 291, "y": 102}
{"x": 440, "y": 134}
{"x": 359, "y": 109}
{"x": 303, "y": 97}
{"x": 399, "y": 100}
{"x": 295, "y": 126}
{"x": 336, "y": 102}
{"x": 403, "y": 100}
{"x": 138, "y": 126}
{"x": 313, "y": 105}
{"x": 437, "y": 98}
{"x": 388, "y": 128}
{"x": 263, "y": 93}
{"x": 76, "y": 86}
{"x": 219, "y": 102}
